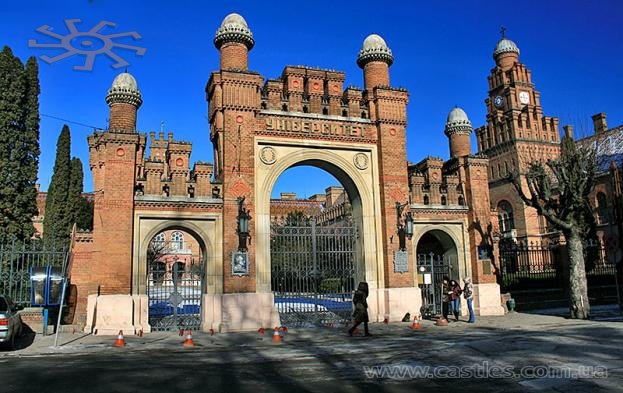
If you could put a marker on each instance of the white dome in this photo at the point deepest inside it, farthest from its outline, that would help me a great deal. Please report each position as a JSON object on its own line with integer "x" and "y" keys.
{"x": 457, "y": 115}
{"x": 125, "y": 81}
{"x": 234, "y": 19}
{"x": 374, "y": 41}
{"x": 234, "y": 29}
{"x": 124, "y": 89}
{"x": 457, "y": 122}
{"x": 374, "y": 48}
{"x": 505, "y": 46}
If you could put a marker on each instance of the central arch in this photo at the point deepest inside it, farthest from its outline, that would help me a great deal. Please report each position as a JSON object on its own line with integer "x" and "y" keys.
{"x": 359, "y": 185}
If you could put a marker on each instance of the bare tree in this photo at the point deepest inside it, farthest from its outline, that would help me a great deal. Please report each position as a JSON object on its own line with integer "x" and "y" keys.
{"x": 559, "y": 191}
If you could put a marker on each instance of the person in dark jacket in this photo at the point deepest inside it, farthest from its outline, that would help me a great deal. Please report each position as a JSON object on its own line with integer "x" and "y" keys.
{"x": 455, "y": 298}
{"x": 361, "y": 308}
{"x": 445, "y": 296}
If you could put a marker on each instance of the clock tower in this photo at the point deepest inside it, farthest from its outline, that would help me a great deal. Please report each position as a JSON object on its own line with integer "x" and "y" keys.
{"x": 516, "y": 134}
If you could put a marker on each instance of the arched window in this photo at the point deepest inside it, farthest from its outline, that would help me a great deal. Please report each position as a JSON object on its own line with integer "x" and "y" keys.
{"x": 505, "y": 216}
{"x": 444, "y": 200}
{"x": 159, "y": 240}
{"x": 325, "y": 111}
{"x": 344, "y": 113}
{"x": 177, "y": 240}
{"x": 305, "y": 109}
{"x": 363, "y": 115}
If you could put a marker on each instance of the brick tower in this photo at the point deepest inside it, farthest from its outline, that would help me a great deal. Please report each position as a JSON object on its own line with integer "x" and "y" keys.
{"x": 516, "y": 134}
{"x": 113, "y": 156}
{"x": 233, "y": 94}
{"x": 387, "y": 108}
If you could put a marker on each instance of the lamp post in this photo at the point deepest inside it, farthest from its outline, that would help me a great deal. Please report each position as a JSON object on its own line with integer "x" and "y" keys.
{"x": 243, "y": 225}
{"x": 404, "y": 230}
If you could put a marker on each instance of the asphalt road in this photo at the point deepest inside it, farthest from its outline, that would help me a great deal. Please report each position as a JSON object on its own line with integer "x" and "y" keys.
{"x": 327, "y": 360}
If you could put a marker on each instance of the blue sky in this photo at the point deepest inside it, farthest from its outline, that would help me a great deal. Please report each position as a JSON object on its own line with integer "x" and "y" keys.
{"x": 442, "y": 56}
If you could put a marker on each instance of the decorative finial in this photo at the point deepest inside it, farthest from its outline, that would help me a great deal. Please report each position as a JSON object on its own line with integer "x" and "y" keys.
{"x": 503, "y": 31}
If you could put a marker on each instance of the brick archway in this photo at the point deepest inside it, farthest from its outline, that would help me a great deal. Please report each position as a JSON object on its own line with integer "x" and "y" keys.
{"x": 339, "y": 160}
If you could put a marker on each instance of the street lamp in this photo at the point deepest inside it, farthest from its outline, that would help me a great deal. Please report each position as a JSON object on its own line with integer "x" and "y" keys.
{"x": 243, "y": 225}
{"x": 404, "y": 230}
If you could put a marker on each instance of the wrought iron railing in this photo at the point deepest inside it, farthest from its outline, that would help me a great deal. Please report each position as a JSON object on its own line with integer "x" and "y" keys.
{"x": 16, "y": 260}
{"x": 541, "y": 265}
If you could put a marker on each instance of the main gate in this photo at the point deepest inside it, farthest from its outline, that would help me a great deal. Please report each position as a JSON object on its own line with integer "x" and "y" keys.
{"x": 313, "y": 270}
{"x": 174, "y": 291}
{"x": 433, "y": 268}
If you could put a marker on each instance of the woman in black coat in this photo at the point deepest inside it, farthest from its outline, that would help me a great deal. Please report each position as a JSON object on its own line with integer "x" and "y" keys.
{"x": 361, "y": 308}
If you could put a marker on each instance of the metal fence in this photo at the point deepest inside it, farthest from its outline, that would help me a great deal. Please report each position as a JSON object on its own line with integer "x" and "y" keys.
{"x": 541, "y": 265}
{"x": 16, "y": 260}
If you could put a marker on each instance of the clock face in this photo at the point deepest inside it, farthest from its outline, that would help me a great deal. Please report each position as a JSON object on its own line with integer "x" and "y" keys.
{"x": 498, "y": 101}
{"x": 524, "y": 97}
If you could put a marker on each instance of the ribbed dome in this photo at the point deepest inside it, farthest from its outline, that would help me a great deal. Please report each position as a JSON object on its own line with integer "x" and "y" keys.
{"x": 374, "y": 48}
{"x": 457, "y": 122}
{"x": 124, "y": 89}
{"x": 234, "y": 29}
{"x": 505, "y": 46}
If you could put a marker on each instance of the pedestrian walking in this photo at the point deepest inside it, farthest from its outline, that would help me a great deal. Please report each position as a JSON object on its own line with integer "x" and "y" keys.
{"x": 445, "y": 296}
{"x": 360, "y": 314}
{"x": 455, "y": 298}
{"x": 468, "y": 294}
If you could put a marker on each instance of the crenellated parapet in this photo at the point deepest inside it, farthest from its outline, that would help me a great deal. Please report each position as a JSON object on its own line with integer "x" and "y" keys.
{"x": 166, "y": 172}
{"x": 433, "y": 182}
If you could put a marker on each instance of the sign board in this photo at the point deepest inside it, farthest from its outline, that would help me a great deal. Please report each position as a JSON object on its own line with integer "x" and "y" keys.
{"x": 401, "y": 262}
{"x": 428, "y": 278}
{"x": 240, "y": 263}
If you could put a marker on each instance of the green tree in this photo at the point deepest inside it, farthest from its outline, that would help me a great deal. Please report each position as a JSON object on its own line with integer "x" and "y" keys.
{"x": 80, "y": 210}
{"x": 56, "y": 222}
{"x": 559, "y": 191}
{"x": 19, "y": 145}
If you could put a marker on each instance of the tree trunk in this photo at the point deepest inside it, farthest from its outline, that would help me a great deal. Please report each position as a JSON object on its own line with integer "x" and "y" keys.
{"x": 578, "y": 288}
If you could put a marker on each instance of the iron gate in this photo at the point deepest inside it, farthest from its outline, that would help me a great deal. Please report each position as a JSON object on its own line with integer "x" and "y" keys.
{"x": 174, "y": 292}
{"x": 436, "y": 267}
{"x": 313, "y": 270}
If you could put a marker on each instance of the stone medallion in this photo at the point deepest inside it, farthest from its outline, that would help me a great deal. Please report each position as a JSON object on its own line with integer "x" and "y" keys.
{"x": 361, "y": 161}
{"x": 268, "y": 155}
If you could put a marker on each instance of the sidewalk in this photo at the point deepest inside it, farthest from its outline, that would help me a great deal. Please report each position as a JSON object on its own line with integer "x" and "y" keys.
{"x": 536, "y": 322}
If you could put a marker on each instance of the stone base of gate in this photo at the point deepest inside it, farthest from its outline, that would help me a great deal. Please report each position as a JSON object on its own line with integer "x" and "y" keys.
{"x": 487, "y": 299}
{"x": 232, "y": 312}
{"x": 394, "y": 303}
{"x": 107, "y": 314}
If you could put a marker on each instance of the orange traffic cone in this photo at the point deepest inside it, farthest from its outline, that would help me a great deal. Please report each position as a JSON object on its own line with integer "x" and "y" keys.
{"x": 189, "y": 339}
{"x": 276, "y": 336}
{"x": 416, "y": 323}
{"x": 120, "y": 341}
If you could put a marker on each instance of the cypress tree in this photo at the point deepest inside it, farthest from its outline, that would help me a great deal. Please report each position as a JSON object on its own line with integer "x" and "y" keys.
{"x": 19, "y": 145}
{"x": 80, "y": 212}
{"x": 56, "y": 222}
